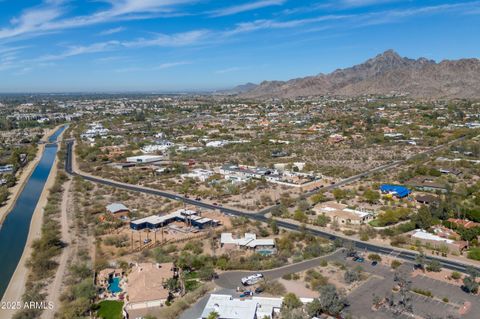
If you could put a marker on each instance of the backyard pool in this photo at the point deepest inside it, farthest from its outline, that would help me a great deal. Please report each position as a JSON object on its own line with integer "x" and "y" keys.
{"x": 114, "y": 285}
{"x": 265, "y": 252}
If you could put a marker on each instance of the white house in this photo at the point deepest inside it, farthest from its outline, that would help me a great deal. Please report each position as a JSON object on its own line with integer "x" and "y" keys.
{"x": 228, "y": 307}
{"x": 144, "y": 159}
{"x": 198, "y": 173}
{"x": 248, "y": 241}
{"x": 95, "y": 130}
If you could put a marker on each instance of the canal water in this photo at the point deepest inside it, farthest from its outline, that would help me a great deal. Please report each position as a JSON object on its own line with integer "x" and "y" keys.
{"x": 14, "y": 231}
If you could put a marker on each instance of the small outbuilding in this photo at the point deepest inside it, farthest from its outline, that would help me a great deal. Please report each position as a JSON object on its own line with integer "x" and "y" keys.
{"x": 117, "y": 209}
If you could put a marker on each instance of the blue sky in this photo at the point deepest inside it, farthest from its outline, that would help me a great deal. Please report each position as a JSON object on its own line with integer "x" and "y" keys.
{"x": 165, "y": 45}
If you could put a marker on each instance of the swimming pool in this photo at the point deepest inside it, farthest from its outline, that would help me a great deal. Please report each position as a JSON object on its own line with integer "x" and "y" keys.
{"x": 114, "y": 285}
{"x": 265, "y": 252}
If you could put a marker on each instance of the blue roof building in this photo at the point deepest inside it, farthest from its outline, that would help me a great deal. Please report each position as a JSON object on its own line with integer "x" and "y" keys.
{"x": 396, "y": 190}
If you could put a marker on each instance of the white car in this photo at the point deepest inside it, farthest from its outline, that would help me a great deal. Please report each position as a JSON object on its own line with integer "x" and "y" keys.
{"x": 251, "y": 280}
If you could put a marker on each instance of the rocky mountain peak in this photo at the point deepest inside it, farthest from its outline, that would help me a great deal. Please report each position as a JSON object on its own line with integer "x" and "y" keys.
{"x": 383, "y": 74}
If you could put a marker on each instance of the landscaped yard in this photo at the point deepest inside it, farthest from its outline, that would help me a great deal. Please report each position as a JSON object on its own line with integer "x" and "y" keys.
{"x": 110, "y": 309}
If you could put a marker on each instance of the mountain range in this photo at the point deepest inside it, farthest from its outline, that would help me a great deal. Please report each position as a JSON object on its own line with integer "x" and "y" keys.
{"x": 387, "y": 73}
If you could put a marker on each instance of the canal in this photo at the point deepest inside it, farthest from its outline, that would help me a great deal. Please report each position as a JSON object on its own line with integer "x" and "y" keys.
{"x": 14, "y": 231}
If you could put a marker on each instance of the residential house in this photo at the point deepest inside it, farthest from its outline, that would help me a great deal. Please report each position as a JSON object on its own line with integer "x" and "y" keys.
{"x": 255, "y": 307}
{"x": 395, "y": 190}
{"x": 144, "y": 159}
{"x": 465, "y": 223}
{"x": 198, "y": 173}
{"x": 428, "y": 184}
{"x": 342, "y": 214}
{"x": 249, "y": 241}
{"x": 189, "y": 217}
{"x": 146, "y": 285}
{"x": 436, "y": 241}
{"x": 428, "y": 199}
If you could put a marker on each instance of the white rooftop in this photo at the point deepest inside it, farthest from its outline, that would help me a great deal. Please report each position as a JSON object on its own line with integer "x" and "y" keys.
{"x": 229, "y": 308}
{"x": 254, "y": 308}
{"x": 422, "y": 234}
{"x": 157, "y": 219}
{"x": 249, "y": 240}
{"x": 116, "y": 207}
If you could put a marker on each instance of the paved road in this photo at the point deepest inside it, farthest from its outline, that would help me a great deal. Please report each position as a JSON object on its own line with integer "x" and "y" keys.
{"x": 231, "y": 279}
{"x": 259, "y": 216}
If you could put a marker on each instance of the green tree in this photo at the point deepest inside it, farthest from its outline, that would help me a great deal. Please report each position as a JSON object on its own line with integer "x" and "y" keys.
{"x": 206, "y": 273}
{"x": 318, "y": 198}
{"x": 291, "y": 301}
{"x": 300, "y": 216}
{"x": 351, "y": 276}
{"x": 434, "y": 266}
{"x": 423, "y": 218}
{"x": 339, "y": 194}
{"x": 371, "y": 196}
{"x": 3, "y": 194}
{"x": 322, "y": 220}
{"x": 274, "y": 227}
{"x": 330, "y": 300}
{"x": 420, "y": 260}
{"x": 375, "y": 257}
{"x": 470, "y": 285}
{"x": 303, "y": 205}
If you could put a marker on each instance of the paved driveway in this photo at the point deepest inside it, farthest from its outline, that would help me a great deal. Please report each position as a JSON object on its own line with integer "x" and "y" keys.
{"x": 231, "y": 279}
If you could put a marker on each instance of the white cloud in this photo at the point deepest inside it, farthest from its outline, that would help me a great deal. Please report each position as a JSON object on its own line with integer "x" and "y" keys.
{"x": 246, "y": 7}
{"x": 31, "y": 21}
{"x": 112, "y": 31}
{"x": 163, "y": 66}
{"x": 361, "y": 3}
{"x": 79, "y": 50}
{"x": 171, "y": 65}
{"x": 275, "y": 24}
{"x": 47, "y": 16}
{"x": 171, "y": 40}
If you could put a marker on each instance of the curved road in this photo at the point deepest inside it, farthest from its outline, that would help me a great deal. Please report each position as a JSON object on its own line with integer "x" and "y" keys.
{"x": 232, "y": 279}
{"x": 260, "y": 216}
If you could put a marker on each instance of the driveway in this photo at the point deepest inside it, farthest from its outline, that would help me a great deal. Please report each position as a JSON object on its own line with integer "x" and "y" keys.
{"x": 231, "y": 279}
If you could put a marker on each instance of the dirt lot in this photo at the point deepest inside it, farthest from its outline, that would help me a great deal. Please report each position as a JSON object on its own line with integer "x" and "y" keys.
{"x": 333, "y": 274}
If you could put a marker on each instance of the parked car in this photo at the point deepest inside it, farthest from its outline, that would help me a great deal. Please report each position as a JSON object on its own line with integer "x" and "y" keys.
{"x": 258, "y": 290}
{"x": 374, "y": 263}
{"x": 359, "y": 260}
{"x": 246, "y": 293}
{"x": 146, "y": 240}
{"x": 251, "y": 280}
